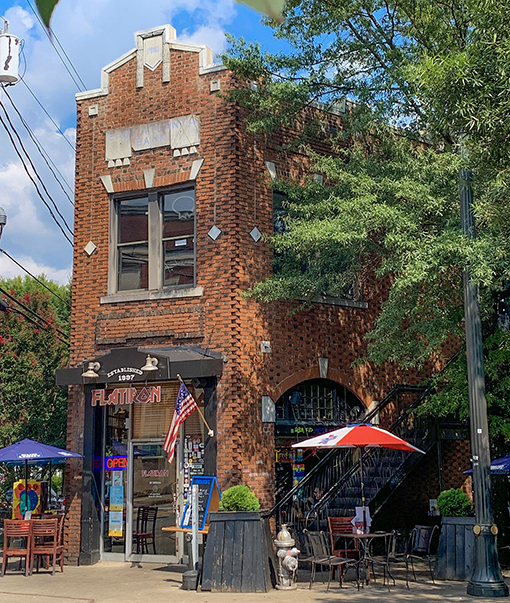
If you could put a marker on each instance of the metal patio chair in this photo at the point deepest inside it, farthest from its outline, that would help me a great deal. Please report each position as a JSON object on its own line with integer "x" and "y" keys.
{"x": 420, "y": 548}
{"x": 322, "y": 556}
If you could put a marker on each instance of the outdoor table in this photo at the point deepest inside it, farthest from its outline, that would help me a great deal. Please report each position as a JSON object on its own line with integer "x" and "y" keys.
{"x": 185, "y": 530}
{"x": 365, "y": 542}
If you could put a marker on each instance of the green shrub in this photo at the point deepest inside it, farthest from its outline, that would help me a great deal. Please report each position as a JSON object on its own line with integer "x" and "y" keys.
{"x": 454, "y": 503}
{"x": 239, "y": 498}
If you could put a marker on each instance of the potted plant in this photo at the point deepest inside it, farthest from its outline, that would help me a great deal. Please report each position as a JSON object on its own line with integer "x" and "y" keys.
{"x": 239, "y": 498}
{"x": 239, "y": 555}
{"x": 454, "y": 560}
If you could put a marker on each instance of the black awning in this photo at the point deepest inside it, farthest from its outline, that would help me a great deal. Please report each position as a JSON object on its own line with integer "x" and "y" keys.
{"x": 124, "y": 365}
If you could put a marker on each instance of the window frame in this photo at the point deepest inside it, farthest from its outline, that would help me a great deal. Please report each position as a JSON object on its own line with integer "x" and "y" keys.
{"x": 155, "y": 241}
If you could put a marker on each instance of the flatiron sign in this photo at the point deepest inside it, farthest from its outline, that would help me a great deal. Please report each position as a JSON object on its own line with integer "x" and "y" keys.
{"x": 126, "y": 396}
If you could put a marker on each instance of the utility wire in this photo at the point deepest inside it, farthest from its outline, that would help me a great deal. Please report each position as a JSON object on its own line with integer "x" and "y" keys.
{"x": 48, "y": 31}
{"x": 44, "y": 154}
{"x": 17, "y": 301}
{"x": 36, "y": 173}
{"x": 35, "y": 278}
{"x": 49, "y": 116}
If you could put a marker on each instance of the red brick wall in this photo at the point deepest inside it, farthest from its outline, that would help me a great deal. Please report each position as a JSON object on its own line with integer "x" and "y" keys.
{"x": 234, "y": 185}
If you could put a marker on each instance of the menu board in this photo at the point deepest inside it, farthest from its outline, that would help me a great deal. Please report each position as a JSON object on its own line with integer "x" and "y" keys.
{"x": 209, "y": 497}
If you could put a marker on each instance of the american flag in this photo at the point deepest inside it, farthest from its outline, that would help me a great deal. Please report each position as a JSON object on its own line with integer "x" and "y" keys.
{"x": 184, "y": 406}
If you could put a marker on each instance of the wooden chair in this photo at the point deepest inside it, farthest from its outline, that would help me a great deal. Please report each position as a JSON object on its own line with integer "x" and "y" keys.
{"x": 145, "y": 532}
{"x": 46, "y": 542}
{"x": 17, "y": 542}
{"x": 342, "y": 525}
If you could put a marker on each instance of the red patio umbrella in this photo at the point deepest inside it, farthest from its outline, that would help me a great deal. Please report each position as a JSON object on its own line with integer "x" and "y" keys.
{"x": 359, "y": 436}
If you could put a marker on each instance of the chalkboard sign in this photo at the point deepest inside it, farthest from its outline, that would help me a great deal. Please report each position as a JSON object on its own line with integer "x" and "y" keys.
{"x": 209, "y": 497}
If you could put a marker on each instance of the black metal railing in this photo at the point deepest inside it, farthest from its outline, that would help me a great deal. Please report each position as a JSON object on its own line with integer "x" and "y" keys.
{"x": 317, "y": 488}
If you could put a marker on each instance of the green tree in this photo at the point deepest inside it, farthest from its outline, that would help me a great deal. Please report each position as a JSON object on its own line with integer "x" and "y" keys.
{"x": 31, "y": 405}
{"x": 422, "y": 76}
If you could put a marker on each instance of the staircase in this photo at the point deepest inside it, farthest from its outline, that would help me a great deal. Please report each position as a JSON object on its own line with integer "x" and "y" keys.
{"x": 337, "y": 477}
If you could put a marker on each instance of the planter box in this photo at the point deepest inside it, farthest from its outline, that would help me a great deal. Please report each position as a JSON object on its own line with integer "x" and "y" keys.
{"x": 454, "y": 560}
{"x": 239, "y": 554}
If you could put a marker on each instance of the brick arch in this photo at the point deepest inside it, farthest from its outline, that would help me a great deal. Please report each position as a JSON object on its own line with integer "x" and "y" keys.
{"x": 313, "y": 373}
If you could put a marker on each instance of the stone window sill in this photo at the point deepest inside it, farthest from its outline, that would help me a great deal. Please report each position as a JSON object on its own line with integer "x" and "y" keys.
{"x": 136, "y": 296}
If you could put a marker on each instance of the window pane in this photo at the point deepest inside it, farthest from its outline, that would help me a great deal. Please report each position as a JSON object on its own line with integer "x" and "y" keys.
{"x": 178, "y": 238}
{"x": 179, "y": 213}
{"x": 133, "y": 220}
{"x": 179, "y": 262}
{"x": 133, "y": 267}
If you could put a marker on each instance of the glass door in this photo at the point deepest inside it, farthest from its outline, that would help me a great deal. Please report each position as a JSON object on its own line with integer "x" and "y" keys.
{"x": 152, "y": 504}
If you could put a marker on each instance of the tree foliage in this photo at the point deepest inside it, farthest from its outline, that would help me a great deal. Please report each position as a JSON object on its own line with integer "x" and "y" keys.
{"x": 425, "y": 78}
{"x": 31, "y": 405}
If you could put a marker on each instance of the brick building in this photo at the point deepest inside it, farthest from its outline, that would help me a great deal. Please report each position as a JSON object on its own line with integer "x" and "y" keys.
{"x": 172, "y": 197}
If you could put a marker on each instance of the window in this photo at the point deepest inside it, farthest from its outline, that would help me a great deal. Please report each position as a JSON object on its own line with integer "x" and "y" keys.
{"x": 154, "y": 240}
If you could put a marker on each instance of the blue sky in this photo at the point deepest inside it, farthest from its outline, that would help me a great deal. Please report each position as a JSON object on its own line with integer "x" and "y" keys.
{"x": 93, "y": 33}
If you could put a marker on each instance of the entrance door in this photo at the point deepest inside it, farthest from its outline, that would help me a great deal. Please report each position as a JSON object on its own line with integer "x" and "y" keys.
{"x": 152, "y": 503}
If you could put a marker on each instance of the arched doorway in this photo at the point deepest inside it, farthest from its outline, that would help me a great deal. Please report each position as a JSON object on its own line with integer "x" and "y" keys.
{"x": 306, "y": 410}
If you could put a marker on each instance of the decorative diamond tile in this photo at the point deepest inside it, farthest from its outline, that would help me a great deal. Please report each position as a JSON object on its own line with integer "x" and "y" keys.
{"x": 90, "y": 248}
{"x": 214, "y": 233}
{"x": 255, "y": 234}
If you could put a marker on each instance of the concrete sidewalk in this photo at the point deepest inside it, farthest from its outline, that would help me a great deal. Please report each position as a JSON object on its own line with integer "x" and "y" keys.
{"x": 112, "y": 582}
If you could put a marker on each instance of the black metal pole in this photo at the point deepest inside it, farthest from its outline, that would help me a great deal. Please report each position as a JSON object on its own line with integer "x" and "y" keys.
{"x": 486, "y": 580}
{"x": 26, "y": 488}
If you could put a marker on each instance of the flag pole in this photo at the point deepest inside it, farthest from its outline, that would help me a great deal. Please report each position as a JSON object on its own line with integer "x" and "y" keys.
{"x": 210, "y": 432}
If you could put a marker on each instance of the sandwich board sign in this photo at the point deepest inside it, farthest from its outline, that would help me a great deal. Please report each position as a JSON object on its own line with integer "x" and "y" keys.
{"x": 209, "y": 497}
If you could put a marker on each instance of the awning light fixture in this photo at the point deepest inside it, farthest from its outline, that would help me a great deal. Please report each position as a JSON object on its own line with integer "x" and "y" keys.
{"x": 91, "y": 372}
{"x": 151, "y": 364}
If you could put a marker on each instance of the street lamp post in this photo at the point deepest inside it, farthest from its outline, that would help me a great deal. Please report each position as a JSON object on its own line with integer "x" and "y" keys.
{"x": 486, "y": 580}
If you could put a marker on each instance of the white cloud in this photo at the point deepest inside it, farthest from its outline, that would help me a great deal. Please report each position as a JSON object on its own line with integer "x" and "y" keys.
{"x": 9, "y": 269}
{"x": 93, "y": 33}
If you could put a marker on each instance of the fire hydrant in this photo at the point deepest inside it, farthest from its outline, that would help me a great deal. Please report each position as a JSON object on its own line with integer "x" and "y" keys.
{"x": 287, "y": 560}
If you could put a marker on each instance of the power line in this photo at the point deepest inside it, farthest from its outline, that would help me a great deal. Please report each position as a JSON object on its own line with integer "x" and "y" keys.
{"x": 49, "y": 116}
{"x": 35, "y": 278}
{"x": 33, "y": 167}
{"x": 48, "y": 31}
{"x": 32, "y": 180}
{"x": 45, "y": 155}
{"x": 20, "y": 303}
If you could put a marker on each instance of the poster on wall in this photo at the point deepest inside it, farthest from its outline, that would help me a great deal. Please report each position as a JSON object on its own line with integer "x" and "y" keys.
{"x": 115, "y": 523}
{"x": 116, "y": 510}
{"x": 23, "y": 502}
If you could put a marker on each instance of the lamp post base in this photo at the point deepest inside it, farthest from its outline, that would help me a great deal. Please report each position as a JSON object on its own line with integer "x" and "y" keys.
{"x": 487, "y": 580}
{"x": 487, "y": 589}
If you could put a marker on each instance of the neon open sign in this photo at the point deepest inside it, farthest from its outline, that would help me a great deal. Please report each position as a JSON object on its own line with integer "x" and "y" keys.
{"x": 115, "y": 463}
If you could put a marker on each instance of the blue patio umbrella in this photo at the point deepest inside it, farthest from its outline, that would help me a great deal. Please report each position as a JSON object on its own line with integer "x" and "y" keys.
{"x": 29, "y": 451}
{"x": 499, "y": 466}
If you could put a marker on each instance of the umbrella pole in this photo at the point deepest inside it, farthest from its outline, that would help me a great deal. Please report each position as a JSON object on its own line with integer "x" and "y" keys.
{"x": 26, "y": 488}
{"x": 49, "y": 504}
{"x": 363, "y": 492}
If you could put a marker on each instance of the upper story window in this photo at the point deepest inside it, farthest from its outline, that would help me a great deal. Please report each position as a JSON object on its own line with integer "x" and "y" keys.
{"x": 154, "y": 243}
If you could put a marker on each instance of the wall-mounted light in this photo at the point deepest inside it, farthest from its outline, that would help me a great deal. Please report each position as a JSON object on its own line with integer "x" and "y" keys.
{"x": 91, "y": 372}
{"x": 151, "y": 364}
